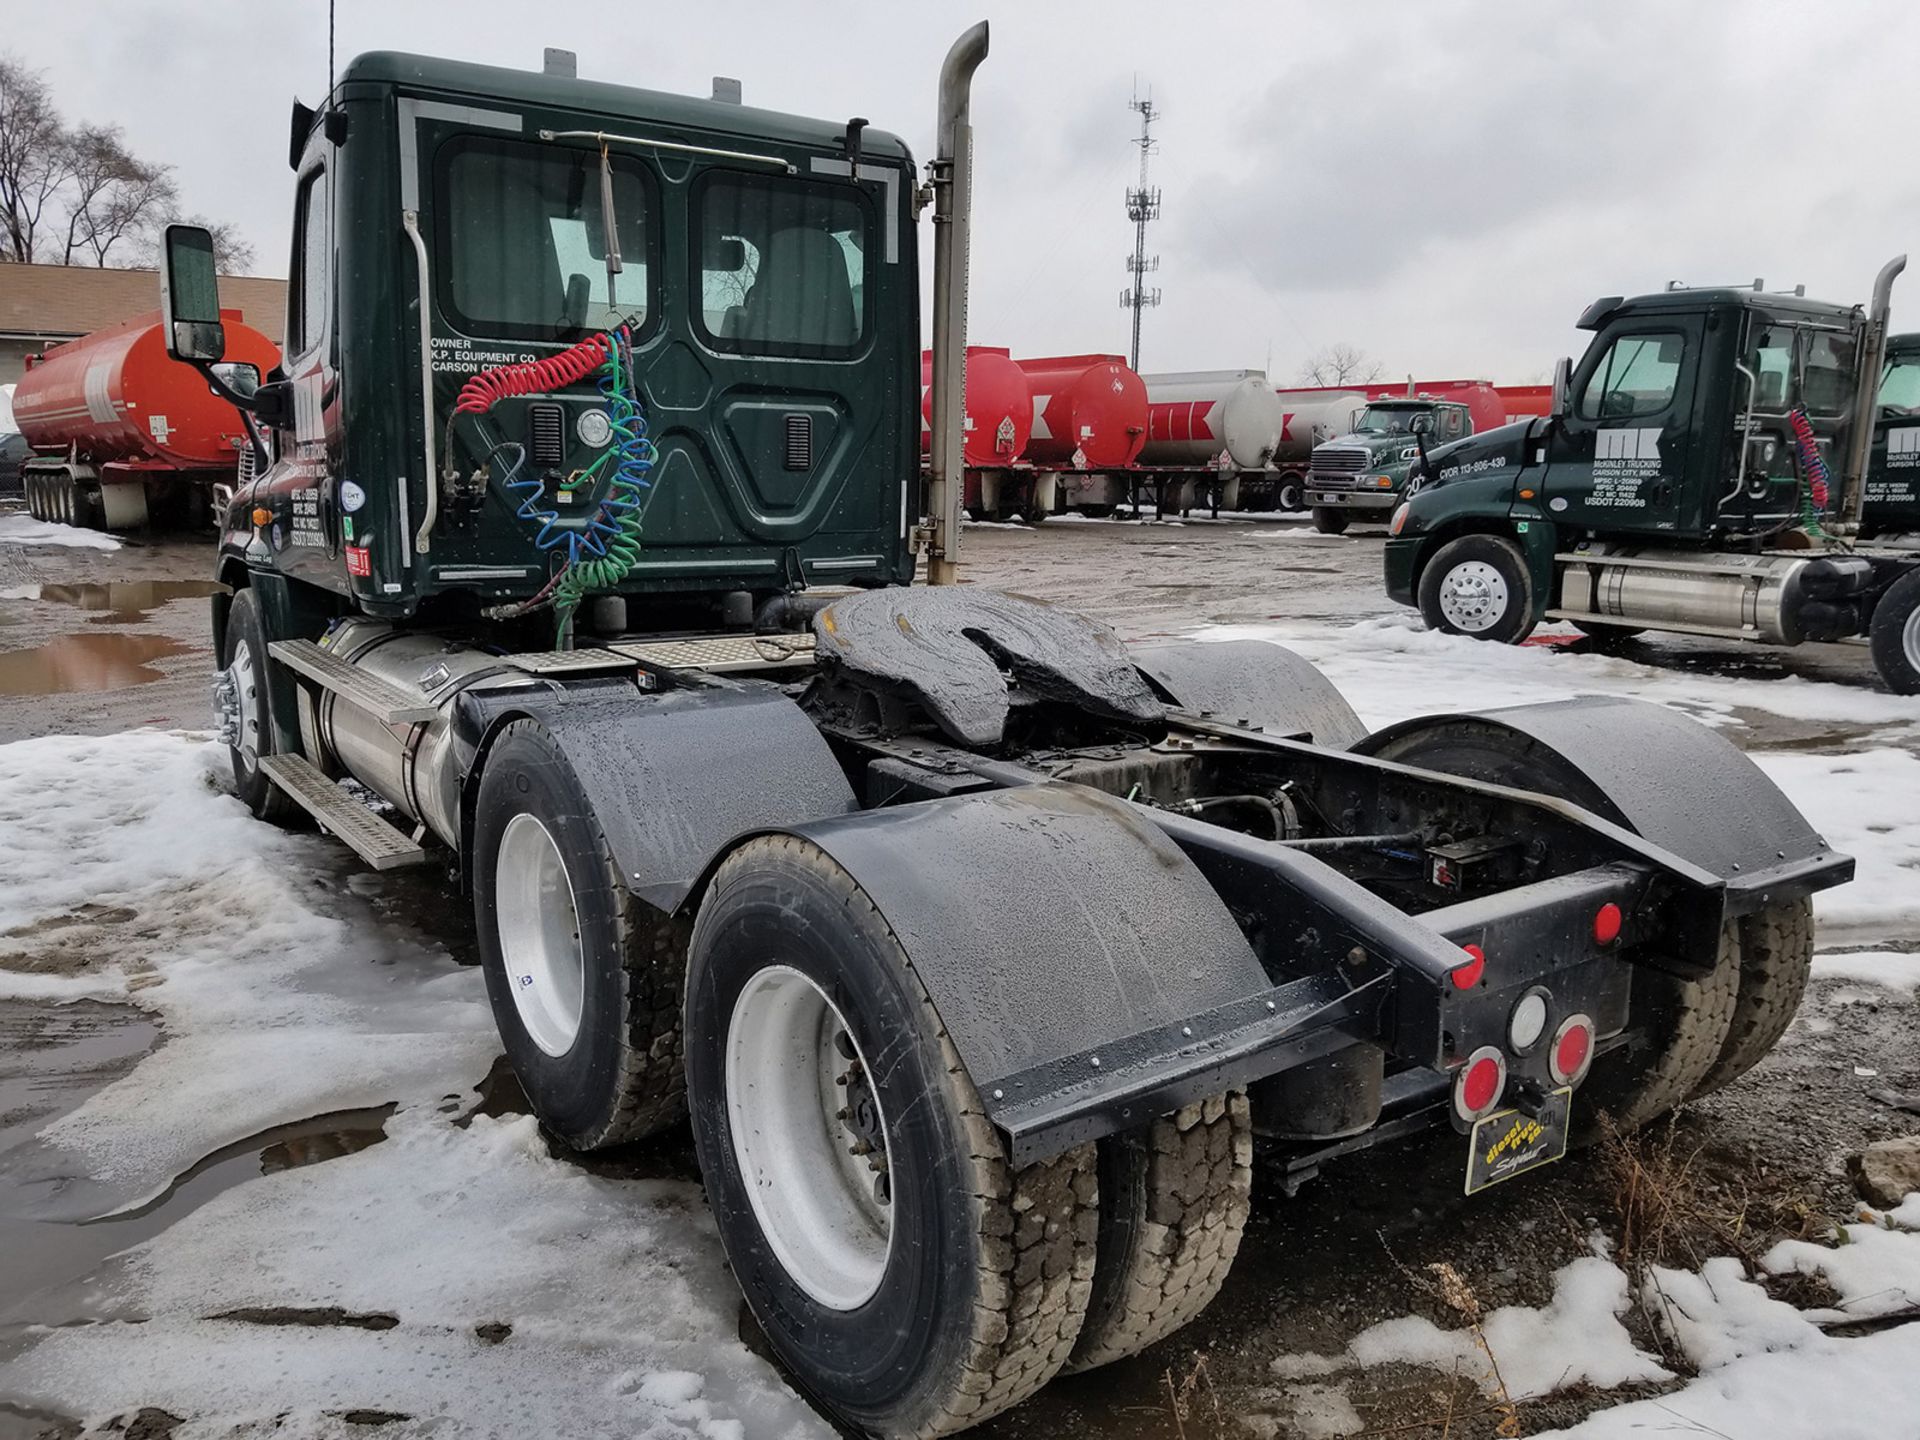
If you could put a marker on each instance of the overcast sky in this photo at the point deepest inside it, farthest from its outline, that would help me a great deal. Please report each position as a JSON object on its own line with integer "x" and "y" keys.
{"x": 1445, "y": 185}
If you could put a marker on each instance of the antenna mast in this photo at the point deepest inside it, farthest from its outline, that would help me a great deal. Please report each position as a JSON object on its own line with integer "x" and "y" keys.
{"x": 1143, "y": 204}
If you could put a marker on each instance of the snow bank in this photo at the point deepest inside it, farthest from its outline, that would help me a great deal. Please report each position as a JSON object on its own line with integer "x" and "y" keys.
{"x": 1889, "y": 969}
{"x": 126, "y": 873}
{"x": 1868, "y": 805}
{"x": 1575, "y": 1339}
{"x": 1875, "y": 1271}
{"x": 624, "y": 1318}
{"x": 18, "y": 529}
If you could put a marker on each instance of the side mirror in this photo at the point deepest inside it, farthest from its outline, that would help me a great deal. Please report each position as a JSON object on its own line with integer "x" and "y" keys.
{"x": 1421, "y": 425}
{"x": 1562, "y": 389}
{"x": 190, "y": 296}
{"x": 239, "y": 376}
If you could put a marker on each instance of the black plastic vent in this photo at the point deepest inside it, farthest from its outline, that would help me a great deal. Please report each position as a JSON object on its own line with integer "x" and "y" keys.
{"x": 546, "y": 436}
{"x": 799, "y": 442}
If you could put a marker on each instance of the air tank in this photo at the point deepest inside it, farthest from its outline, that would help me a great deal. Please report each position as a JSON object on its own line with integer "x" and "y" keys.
{"x": 116, "y": 397}
{"x": 1089, "y": 412}
{"x": 1194, "y": 416}
{"x": 999, "y": 411}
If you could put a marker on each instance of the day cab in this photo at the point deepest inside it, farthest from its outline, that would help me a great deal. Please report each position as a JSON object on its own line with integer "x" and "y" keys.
{"x": 1704, "y": 471}
{"x": 1362, "y": 474}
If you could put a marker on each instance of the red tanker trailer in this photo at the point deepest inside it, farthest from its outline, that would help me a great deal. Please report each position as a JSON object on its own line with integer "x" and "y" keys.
{"x": 998, "y": 420}
{"x": 117, "y": 428}
{"x": 1090, "y": 415}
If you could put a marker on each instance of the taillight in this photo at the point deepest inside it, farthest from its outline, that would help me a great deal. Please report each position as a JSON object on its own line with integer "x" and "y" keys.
{"x": 1467, "y": 973}
{"x": 1480, "y": 1084}
{"x": 1607, "y": 921}
{"x": 1527, "y": 1022}
{"x": 1572, "y": 1051}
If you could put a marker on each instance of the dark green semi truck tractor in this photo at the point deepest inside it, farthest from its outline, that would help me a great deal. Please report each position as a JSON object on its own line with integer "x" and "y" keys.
{"x": 978, "y": 949}
{"x": 1362, "y": 475}
{"x": 1721, "y": 462}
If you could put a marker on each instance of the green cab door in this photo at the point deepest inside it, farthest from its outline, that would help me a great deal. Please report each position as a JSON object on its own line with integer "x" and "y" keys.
{"x": 1618, "y": 460}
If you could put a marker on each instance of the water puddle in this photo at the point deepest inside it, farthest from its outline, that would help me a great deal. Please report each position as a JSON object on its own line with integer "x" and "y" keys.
{"x": 70, "y": 664}
{"x": 119, "y": 600}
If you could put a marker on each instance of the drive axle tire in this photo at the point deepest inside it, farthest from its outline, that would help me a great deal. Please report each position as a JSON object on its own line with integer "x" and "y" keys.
{"x": 1776, "y": 955}
{"x": 1894, "y": 635}
{"x": 1677, "y": 1029}
{"x": 1173, "y": 1206}
{"x": 584, "y": 978}
{"x": 1329, "y": 521}
{"x": 245, "y": 656}
{"x": 910, "y": 1276}
{"x": 1479, "y": 586}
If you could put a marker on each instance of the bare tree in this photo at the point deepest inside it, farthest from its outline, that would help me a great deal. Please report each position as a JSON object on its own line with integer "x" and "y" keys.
{"x": 231, "y": 254}
{"x": 1341, "y": 364}
{"x": 36, "y": 157}
{"x": 113, "y": 196}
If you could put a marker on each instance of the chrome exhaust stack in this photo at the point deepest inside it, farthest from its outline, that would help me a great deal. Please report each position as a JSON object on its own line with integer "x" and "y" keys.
{"x": 1873, "y": 354}
{"x": 950, "y": 174}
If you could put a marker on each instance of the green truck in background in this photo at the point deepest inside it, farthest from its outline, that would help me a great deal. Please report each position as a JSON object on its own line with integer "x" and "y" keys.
{"x": 1721, "y": 462}
{"x": 1363, "y": 473}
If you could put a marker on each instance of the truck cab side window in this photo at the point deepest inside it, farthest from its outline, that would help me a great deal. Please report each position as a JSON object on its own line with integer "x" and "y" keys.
{"x": 1900, "y": 387}
{"x": 1636, "y": 377}
{"x": 782, "y": 265}
{"x": 313, "y": 252}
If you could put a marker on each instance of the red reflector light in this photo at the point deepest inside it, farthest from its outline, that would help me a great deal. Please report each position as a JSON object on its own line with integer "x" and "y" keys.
{"x": 1467, "y": 975}
{"x": 1482, "y": 1080}
{"x": 1606, "y": 923}
{"x": 1572, "y": 1051}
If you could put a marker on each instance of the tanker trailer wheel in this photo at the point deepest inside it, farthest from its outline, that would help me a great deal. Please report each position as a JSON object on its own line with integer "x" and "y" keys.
{"x": 584, "y": 978}
{"x": 913, "y": 1279}
{"x": 1776, "y": 954}
{"x": 1895, "y": 635}
{"x": 1478, "y": 585}
{"x": 1329, "y": 521}
{"x": 244, "y": 659}
{"x": 1677, "y": 1028}
{"x": 1291, "y": 495}
{"x": 1174, "y": 1197}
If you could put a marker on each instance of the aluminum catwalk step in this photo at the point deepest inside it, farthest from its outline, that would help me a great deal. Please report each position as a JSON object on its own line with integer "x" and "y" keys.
{"x": 719, "y": 653}
{"x": 390, "y": 704}
{"x": 340, "y": 815}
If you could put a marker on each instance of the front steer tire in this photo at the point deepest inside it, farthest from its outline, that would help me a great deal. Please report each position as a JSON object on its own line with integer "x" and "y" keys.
{"x": 1478, "y": 586}
{"x": 1329, "y": 521}
{"x": 977, "y": 1293}
{"x": 620, "y": 1079}
{"x": 244, "y": 655}
{"x": 1174, "y": 1198}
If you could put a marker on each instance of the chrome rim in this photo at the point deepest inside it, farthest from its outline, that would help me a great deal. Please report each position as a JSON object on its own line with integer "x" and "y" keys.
{"x": 540, "y": 935}
{"x": 810, "y": 1137}
{"x": 1910, "y": 637}
{"x": 1473, "y": 596}
{"x": 246, "y": 685}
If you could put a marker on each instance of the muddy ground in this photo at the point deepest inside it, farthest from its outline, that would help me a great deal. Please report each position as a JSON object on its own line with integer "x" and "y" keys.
{"x": 94, "y": 642}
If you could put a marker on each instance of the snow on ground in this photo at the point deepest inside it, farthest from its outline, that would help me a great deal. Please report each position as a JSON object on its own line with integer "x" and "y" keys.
{"x": 624, "y": 1318}
{"x": 1889, "y": 969}
{"x": 1867, "y": 804}
{"x": 127, "y": 873}
{"x": 21, "y": 529}
{"x": 1764, "y": 1367}
{"x": 1392, "y": 667}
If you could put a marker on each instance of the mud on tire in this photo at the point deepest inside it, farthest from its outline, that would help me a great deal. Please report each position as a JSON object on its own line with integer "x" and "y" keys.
{"x": 621, "y": 1079}
{"x": 986, "y": 1270}
{"x": 1174, "y": 1198}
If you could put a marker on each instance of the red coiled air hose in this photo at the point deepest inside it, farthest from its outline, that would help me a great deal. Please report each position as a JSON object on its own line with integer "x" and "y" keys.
{"x": 527, "y": 377}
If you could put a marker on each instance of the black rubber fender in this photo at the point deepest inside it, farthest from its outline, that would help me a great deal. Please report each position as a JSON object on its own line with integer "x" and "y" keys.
{"x": 1253, "y": 681}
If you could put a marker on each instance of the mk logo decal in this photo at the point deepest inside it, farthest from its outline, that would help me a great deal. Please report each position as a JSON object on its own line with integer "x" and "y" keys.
{"x": 1627, "y": 444}
{"x": 1903, "y": 442}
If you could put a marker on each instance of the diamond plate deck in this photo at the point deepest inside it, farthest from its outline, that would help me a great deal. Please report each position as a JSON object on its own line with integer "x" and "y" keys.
{"x": 568, "y": 662}
{"x": 719, "y": 652}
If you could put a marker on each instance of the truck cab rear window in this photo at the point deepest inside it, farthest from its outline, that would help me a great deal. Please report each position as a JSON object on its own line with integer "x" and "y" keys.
{"x": 522, "y": 240}
{"x": 782, "y": 265}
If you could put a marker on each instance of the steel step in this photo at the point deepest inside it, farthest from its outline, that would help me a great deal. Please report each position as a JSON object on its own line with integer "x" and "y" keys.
{"x": 387, "y": 703}
{"x": 720, "y": 652}
{"x": 340, "y": 815}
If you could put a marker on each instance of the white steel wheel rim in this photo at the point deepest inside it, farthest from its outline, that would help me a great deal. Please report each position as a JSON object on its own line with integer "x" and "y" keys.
{"x": 824, "y": 1209}
{"x": 540, "y": 947}
{"x": 1910, "y": 637}
{"x": 1473, "y": 596}
{"x": 245, "y": 682}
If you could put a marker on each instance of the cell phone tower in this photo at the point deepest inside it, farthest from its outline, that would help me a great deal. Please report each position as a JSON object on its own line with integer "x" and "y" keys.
{"x": 1143, "y": 205}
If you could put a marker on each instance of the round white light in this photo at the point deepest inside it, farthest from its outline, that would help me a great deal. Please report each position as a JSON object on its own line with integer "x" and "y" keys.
{"x": 1528, "y": 1022}
{"x": 594, "y": 428}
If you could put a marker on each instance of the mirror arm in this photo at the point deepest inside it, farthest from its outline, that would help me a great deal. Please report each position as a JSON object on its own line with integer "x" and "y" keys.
{"x": 248, "y": 405}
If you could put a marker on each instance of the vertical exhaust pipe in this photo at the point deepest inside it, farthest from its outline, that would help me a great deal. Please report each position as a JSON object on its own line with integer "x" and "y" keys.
{"x": 952, "y": 178}
{"x": 1873, "y": 355}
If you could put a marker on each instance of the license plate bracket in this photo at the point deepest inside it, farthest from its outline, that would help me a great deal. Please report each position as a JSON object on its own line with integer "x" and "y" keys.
{"x": 1512, "y": 1142}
